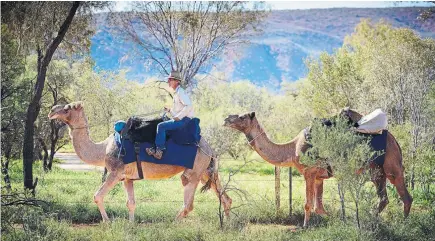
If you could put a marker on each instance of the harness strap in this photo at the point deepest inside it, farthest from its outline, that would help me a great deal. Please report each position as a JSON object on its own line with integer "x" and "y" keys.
{"x": 138, "y": 163}
{"x": 253, "y": 139}
{"x": 77, "y": 128}
{"x": 139, "y": 167}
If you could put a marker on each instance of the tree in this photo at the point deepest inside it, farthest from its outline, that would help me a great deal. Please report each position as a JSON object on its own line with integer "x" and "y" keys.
{"x": 345, "y": 152}
{"x": 405, "y": 64}
{"x": 12, "y": 98}
{"x": 51, "y": 133}
{"x": 185, "y": 36}
{"x": 35, "y": 25}
{"x": 379, "y": 67}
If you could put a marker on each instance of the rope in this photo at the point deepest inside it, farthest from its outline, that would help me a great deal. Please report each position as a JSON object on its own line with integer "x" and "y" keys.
{"x": 111, "y": 121}
{"x": 250, "y": 142}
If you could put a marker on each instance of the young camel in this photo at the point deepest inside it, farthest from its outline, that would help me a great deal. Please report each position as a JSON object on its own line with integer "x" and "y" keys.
{"x": 288, "y": 154}
{"x": 103, "y": 154}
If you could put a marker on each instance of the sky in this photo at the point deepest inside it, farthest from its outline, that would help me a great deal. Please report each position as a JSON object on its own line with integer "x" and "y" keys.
{"x": 283, "y": 5}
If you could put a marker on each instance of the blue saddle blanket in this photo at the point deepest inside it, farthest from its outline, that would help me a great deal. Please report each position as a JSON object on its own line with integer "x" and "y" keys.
{"x": 378, "y": 143}
{"x": 175, "y": 154}
{"x": 189, "y": 134}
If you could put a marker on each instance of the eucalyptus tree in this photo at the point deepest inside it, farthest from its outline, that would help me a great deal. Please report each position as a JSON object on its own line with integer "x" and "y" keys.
{"x": 40, "y": 28}
{"x": 186, "y": 35}
{"x": 12, "y": 67}
{"x": 379, "y": 67}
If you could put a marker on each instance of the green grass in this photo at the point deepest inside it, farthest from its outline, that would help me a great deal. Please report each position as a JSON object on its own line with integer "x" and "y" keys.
{"x": 72, "y": 214}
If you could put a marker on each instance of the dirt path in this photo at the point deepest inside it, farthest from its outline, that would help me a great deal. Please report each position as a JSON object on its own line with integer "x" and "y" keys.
{"x": 72, "y": 162}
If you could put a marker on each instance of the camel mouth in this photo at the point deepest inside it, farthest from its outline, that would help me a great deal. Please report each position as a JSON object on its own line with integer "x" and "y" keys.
{"x": 51, "y": 116}
{"x": 229, "y": 121}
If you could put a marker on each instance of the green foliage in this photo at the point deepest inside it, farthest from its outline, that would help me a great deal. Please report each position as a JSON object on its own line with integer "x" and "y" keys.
{"x": 346, "y": 152}
{"x": 72, "y": 214}
{"x": 337, "y": 146}
{"x": 36, "y": 24}
{"x": 14, "y": 95}
{"x": 379, "y": 66}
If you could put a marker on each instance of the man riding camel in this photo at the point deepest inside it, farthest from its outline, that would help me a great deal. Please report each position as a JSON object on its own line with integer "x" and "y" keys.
{"x": 181, "y": 111}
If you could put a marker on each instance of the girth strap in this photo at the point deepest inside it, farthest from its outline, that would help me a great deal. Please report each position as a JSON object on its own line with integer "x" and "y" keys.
{"x": 138, "y": 163}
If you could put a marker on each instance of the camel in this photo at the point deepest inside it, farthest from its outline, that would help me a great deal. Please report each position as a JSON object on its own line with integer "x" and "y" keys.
{"x": 288, "y": 155}
{"x": 102, "y": 154}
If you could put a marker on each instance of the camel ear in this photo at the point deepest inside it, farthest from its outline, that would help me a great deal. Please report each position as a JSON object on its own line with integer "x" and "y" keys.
{"x": 251, "y": 115}
{"x": 78, "y": 105}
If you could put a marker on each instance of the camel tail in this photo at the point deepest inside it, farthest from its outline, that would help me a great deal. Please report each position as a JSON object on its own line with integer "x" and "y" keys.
{"x": 211, "y": 173}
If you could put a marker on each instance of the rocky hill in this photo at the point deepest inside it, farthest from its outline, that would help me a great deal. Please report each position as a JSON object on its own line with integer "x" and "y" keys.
{"x": 277, "y": 53}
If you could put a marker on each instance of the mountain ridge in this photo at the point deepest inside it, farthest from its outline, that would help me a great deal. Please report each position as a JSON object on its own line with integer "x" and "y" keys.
{"x": 274, "y": 55}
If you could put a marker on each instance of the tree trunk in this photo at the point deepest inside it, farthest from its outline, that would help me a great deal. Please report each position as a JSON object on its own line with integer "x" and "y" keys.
{"x": 412, "y": 178}
{"x": 5, "y": 168}
{"x": 54, "y": 137}
{"x": 50, "y": 159}
{"x": 341, "y": 194}
{"x": 277, "y": 189}
{"x": 34, "y": 106}
{"x": 357, "y": 215}
{"x": 45, "y": 157}
{"x": 290, "y": 191}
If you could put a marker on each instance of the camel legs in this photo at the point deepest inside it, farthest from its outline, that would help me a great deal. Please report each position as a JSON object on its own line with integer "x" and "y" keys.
{"x": 394, "y": 171}
{"x": 310, "y": 179}
{"x": 131, "y": 204}
{"x": 318, "y": 192}
{"x": 399, "y": 182}
{"x": 190, "y": 182}
{"x": 189, "y": 193}
{"x": 110, "y": 182}
{"x": 380, "y": 181}
{"x": 220, "y": 193}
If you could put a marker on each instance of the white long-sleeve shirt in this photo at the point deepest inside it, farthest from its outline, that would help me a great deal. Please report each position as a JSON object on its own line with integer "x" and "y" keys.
{"x": 182, "y": 106}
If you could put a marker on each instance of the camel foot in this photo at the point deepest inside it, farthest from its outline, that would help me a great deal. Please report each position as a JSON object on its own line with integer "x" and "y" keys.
{"x": 321, "y": 211}
{"x": 106, "y": 220}
{"x": 180, "y": 216}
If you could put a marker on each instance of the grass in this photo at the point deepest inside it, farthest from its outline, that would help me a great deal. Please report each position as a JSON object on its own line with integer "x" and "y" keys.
{"x": 72, "y": 214}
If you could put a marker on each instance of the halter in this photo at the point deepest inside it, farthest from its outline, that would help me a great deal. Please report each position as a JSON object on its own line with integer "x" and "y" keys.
{"x": 76, "y": 128}
{"x": 253, "y": 139}
{"x": 250, "y": 142}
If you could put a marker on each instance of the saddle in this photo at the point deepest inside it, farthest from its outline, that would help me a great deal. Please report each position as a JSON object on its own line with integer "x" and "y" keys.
{"x": 140, "y": 130}
{"x": 137, "y": 133}
{"x": 374, "y": 132}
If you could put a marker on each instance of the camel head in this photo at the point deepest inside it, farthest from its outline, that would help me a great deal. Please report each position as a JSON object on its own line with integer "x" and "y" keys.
{"x": 69, "y": 114}
{"x": 350, "y": 115}
{"x": 243, "y": 123}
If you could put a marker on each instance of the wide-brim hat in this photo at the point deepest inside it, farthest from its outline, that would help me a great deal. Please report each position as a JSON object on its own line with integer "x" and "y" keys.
{"x": 175, "y": 75}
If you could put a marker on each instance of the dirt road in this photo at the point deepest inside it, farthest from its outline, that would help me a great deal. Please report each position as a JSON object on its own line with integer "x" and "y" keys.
{"x": 72, "y": 162}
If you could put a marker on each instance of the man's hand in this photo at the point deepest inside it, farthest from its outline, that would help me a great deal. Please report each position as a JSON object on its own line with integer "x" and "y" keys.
{"x": 176, "y": 118}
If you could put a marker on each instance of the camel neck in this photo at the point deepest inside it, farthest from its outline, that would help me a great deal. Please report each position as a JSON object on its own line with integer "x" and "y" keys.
{"x": 88, "y": 151}
{"x": 277, "y": 154}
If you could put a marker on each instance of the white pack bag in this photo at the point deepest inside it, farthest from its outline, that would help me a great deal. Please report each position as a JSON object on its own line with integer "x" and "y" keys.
{"x": 373, "y": 123}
